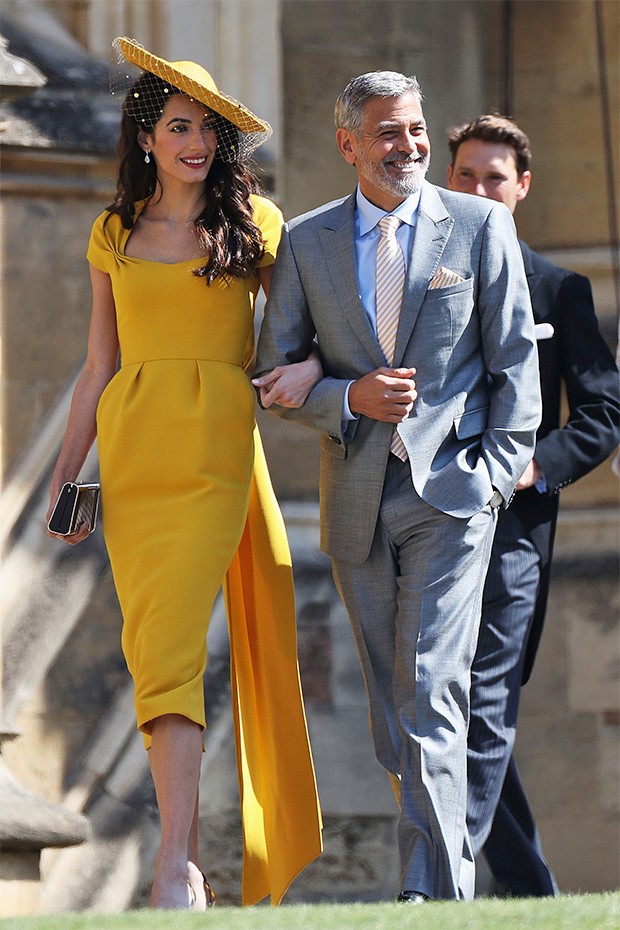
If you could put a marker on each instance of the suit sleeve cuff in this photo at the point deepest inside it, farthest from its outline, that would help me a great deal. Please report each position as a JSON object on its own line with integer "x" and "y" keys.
{"x": 348, "y": 418}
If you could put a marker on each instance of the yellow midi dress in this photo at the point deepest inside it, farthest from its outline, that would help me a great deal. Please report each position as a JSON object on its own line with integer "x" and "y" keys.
{"x": 188, "y": 507}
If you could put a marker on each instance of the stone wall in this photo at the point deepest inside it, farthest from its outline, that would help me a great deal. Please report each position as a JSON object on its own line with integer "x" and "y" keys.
{"x": 49, "y": 202}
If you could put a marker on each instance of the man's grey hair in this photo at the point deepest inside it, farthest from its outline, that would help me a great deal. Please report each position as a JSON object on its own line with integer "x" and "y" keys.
{"x": 349, "y": 109}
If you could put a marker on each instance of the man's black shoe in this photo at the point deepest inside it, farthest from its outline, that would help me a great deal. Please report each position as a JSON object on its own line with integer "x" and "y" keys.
{"x": 412, "y": 897}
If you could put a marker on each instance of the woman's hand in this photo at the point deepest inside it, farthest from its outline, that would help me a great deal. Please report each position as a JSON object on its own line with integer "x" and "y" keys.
{"x": 74, "y": 538}
{"x": 289, "y": 385}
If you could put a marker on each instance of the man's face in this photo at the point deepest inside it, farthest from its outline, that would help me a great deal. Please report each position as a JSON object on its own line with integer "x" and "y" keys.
{"x": 391, "y": 152}
{"x": 488, "y": 169}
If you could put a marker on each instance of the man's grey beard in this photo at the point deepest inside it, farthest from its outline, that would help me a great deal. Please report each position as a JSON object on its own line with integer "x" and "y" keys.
{"x": 399, "y": 187}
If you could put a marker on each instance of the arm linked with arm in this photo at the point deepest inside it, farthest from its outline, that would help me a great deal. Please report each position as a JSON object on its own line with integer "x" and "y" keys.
{"x": 287, "y": 385}
{"x": 287, "y": 337}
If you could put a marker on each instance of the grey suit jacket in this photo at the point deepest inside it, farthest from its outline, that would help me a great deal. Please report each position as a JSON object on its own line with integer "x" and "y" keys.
{"x": 473, "y": 425}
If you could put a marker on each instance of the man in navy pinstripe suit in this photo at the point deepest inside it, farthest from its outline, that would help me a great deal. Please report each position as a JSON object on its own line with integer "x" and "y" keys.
{"x": 491, "y": 158}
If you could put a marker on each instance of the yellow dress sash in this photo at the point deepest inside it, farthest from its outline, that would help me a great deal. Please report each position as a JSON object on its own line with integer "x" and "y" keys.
{"x": 279, "y": 802}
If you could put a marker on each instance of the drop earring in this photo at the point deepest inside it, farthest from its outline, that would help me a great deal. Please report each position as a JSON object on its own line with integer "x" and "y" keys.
{"x": 147, "y": 159}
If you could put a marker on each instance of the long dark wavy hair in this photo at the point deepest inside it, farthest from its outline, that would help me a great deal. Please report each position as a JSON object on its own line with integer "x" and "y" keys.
{"x": 232, "y": 241}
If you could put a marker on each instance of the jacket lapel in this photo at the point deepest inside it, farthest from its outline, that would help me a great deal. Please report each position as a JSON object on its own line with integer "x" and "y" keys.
{"x": 433, "y": 228}
{"x": 338, "y": 243}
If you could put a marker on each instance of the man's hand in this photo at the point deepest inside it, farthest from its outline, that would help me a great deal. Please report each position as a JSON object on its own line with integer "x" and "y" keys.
{"x": 386, "y": 394}
{"x": 530, "y": 476}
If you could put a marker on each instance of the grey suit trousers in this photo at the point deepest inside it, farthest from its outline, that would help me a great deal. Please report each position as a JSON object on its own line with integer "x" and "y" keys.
{"x": 414, "y": 606}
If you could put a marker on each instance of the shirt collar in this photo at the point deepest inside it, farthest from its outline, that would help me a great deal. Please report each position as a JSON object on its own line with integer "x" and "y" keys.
{"x": 368, "y": 215}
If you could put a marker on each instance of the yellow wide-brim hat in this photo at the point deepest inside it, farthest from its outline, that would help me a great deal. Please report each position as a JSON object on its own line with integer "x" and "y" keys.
{"x": 195, "y": 81}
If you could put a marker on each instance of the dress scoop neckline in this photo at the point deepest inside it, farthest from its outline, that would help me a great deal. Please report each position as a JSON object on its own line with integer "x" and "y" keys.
{"x": 150, "y": 261}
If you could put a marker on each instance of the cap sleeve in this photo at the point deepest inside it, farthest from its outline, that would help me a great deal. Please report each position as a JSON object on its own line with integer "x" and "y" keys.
{"x": 100, "y": 247}
{"x": 269, "y": 219}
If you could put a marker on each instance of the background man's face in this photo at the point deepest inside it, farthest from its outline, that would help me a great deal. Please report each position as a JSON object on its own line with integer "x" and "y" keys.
{"x": 488, "y": 169}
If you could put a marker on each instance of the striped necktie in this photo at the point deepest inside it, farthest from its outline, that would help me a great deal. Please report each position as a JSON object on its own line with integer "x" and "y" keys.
{"x": 390, "y": 285}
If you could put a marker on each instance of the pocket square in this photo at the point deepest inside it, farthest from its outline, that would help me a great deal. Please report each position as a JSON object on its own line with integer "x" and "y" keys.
{"x": 444, "y": 278}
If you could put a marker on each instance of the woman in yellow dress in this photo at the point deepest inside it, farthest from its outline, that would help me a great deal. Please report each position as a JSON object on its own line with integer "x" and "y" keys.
{"x": 176, "y": 262}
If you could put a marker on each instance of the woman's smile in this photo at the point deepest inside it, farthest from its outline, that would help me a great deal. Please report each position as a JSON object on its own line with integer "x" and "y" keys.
{"x": 195, "y": 162}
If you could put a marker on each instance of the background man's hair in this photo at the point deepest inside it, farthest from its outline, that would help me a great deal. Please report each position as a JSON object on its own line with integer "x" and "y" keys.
{"x": 349, "y": 109}
{"x": 493, "y": 128}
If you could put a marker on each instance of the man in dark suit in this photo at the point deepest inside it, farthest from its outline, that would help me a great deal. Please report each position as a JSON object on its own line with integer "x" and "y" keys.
{"x": 412, "y": 472}
{"x": 491, "y": 158}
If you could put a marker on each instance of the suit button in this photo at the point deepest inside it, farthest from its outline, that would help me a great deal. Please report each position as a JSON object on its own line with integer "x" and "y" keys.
{"x": 336, "y": 439}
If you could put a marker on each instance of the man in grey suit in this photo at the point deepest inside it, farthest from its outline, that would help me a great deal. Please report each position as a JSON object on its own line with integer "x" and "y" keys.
{"x": 410, "y": 533}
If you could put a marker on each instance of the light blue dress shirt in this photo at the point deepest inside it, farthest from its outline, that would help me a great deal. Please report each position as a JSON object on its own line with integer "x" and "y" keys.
{"x": 367, "y": 235}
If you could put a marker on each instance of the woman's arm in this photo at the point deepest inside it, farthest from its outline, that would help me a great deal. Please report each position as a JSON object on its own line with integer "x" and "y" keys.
{"x": 100, "y": 366}
{"x": 264, "y": 278}
{"x": 287, "y": 385}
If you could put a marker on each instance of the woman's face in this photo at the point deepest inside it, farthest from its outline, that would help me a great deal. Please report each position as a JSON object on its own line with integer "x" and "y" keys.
{"x": 183, "y": 141}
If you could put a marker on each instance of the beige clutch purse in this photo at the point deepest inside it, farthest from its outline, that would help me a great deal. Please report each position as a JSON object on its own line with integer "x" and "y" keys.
{"x": 76, "y": 504}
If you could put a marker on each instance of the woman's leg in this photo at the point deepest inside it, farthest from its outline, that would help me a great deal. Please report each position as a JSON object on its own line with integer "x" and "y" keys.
{"x": 192, "y": 842}
{"x": 175, "y": 756}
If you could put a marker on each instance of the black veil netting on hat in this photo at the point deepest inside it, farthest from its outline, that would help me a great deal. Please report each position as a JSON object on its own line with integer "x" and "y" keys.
{"x": 144, "y": 96}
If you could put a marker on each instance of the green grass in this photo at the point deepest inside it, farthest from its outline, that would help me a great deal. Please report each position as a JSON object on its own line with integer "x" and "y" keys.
{"x": 568, "y": 912}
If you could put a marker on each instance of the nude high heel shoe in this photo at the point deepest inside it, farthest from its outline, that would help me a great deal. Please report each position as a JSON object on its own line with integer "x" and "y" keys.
{"x": 209, "y": 894}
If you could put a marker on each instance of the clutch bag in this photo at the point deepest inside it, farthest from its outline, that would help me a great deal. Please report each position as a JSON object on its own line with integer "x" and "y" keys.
{"x": 76, "y": 504}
